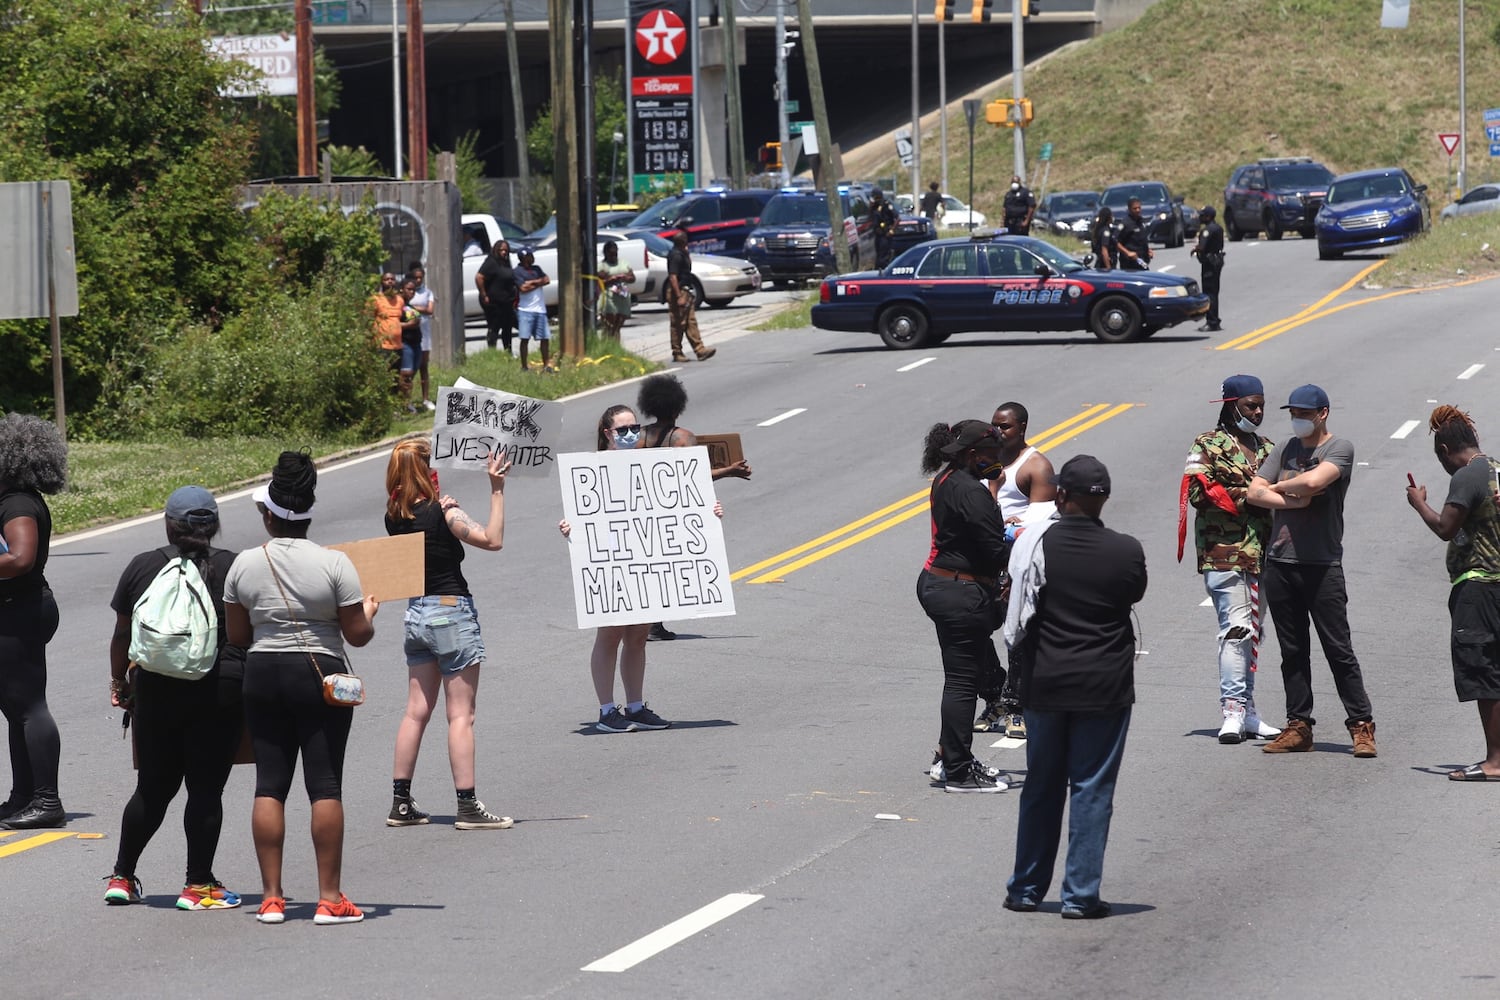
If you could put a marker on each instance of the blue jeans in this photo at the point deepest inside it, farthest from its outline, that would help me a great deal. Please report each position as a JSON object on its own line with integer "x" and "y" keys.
{"x": 1231, "y": 592}
{"x": 532, "y": 325}
{"x": 1064, "y": 749}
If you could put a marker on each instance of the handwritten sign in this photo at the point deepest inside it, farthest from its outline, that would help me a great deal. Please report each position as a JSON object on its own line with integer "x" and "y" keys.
{"x": 472, "y": 421}
{"x": 645, "y": 544}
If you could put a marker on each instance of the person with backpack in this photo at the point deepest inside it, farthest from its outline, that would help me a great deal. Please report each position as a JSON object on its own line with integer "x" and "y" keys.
{"x": 172, "y": 670}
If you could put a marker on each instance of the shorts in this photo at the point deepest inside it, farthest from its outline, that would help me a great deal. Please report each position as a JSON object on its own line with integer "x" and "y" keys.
{"x": 410, "y": 355}
{"x": 426, "y": 337}
{"x": 532, "y": 326}
{"x": 445, "y": 629}
{"x": 1475, "y": 608}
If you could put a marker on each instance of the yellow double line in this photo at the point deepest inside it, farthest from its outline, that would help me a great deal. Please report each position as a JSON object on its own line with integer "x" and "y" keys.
{"x": 1265, "y": 333}
{"x": 776, "y": 568}
{"x": 35, "y": 840}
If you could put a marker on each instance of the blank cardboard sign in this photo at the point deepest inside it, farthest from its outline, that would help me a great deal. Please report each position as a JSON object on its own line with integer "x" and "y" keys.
{"x": 389, "y": 568}
{"x": 723, "y": 449}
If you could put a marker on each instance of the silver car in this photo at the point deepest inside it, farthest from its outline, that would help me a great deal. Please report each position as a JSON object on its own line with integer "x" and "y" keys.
{"x": 716, "y": 280}
{"x": 1484, "y": 198}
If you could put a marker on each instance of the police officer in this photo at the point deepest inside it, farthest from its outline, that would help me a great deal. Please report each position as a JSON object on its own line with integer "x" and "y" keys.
{"x": 883, "y": 217}
{"x": 1210, "y": 254}
{"x": 1020, "y": 206}
{"x": 1133, "y": 242}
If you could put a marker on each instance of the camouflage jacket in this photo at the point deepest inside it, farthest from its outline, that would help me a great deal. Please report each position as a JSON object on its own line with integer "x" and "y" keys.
{"x": 1224, "y": 540}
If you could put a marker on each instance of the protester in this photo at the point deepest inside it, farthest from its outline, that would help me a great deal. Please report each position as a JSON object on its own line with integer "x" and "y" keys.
{"x": 932, "y": 202}
{"x": 443, "y": 644}
{"x": 389, "y": 309}
{"x": 498, "y": 289}
{"x": 1230, "y": 536}
{"x": 294, "y": 604}
{"x": 616, "y": 276}
{"x": 425, "y": 303}
{"x": 33, "y": 461}
{"x": 958, "y": 587}
{"x": 186, "y": 729}
{"x": 1303, "y": 483}
{"x": 411, "y": 343}
{"x": 1073, "y": 583}
{"x": 1470, "y": 524}
{"x": 531, "y": 308}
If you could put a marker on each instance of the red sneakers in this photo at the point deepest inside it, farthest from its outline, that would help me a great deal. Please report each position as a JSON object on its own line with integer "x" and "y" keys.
{"x": 342, "y": 912}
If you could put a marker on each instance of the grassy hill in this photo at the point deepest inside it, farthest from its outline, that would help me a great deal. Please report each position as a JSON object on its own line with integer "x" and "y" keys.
{"x": 1197, "y": 87}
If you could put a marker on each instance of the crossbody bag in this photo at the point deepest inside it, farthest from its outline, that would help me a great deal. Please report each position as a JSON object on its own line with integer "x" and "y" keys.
{"x": 341, "y": 690}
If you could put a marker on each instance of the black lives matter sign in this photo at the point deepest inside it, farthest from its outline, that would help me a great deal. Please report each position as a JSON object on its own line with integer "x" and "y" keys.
{"x": 662, "y": 102}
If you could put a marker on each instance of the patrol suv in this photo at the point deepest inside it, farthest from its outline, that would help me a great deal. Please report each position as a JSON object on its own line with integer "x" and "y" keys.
{"x": 1275, "y": 195}
{"x": 792, "y": 242}
{"x": 716, "y": 220}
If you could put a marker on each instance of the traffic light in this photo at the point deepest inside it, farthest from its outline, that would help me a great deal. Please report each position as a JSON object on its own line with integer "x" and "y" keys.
{"x": 944, "y": 11}
{"x": 1029, "y": 7}
{"x": 980, "y": 13}
{"x": 1026, "y": 111}
{"x": 998, "y": 112}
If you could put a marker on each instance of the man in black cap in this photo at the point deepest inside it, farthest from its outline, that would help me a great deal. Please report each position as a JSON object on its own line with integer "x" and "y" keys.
{"x": 1210, "y": 254}
{"x": 1303, "y": 482}
{"x": 1073, "y": 583}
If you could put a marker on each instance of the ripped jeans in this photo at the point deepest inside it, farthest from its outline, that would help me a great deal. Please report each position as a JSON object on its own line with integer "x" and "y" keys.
{"x": 1230, "y": 591}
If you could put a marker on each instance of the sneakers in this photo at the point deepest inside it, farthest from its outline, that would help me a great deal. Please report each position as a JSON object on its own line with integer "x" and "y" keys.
{"x": 1015, "y": 726}
{"x": 613, "y": 721}
{"x": 1233, "y": 728}
{"x": 342, "y": 912}
{"x": 1098, "y": 911}
{"x": 937, "y": 772}
{"x": 644, "y": 718}
{"x": 472, "y": 815}
{"x": 1023, "y": 905}
{"x": 273, "y": 910}
{"x": 429, "y": 405}
{"x": 977, "y": 780}
{"x": 1256, "y": 727}
{"x": 660, "y": 633}
{"x": 404, "y": 812}
{"x": 37, "y": 815}
{"x": 1297, "y": 737}
{"x": 123, "y": 890}
{"x": 991, "y": 720}
{"x": 209, "y": 896}
{"x": 1363, "y": 735}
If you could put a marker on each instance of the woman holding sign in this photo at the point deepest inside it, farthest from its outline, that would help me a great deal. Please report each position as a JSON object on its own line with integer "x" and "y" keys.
{"x": 443, "y": 645}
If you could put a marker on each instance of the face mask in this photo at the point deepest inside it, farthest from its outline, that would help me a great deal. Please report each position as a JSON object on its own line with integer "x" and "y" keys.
{"x": 1302, "y": 427}
{"x": 988, "y": 472}
{"x": 625, "y": 440}
{"x": 1015, "y": 187}
{"x": 1244, "y": 423}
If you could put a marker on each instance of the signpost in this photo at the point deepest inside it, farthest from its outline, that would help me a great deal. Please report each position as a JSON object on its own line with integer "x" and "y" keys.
{"x": 1449, "y": 141}
{"x": 1045, "y": 154}
{"x": 971, "y": 115}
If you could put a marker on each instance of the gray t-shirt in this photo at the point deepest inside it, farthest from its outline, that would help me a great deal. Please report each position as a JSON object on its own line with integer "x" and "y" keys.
{"x": 317, "y": 581}
{"x": 1313, "y": 534}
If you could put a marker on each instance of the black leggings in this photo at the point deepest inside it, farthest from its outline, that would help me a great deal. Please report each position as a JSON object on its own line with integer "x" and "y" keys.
{"x": 965, "y": 616}
{"x": 27, "y": 624}
{"x": 286, "y": 713}
{"x": 185, "y": 731}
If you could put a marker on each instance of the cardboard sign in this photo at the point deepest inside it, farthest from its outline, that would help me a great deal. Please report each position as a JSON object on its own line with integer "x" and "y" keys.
{"x": 472, "y": 421}
{"x": 390, "y": 568}
{"x": 645, "y": 544}
{"x": 723, "y": 449}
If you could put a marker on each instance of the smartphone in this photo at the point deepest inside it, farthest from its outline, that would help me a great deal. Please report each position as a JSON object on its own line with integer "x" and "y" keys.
{"x": 1410, "y": 481}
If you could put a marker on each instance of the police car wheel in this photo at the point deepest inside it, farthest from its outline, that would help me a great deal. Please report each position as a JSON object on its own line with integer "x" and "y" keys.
{"x": 903, "y": 328}
{"x": 1230, "y": 229}
{"x": 1116, "y": 320}
{"x": 1273, "y": 228}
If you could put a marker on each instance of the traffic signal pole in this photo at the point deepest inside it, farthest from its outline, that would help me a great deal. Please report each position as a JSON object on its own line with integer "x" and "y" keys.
{"x": 827, "y": 172}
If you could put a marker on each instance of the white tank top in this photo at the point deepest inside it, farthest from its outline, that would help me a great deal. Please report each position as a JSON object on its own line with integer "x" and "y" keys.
{"x": 1013, "y": 502}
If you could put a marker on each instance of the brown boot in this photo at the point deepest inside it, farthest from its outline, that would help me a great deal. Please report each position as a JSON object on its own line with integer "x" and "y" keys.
{"x": 707, "y": 353}
{"x": 1297, "y": 737}
{"x": 1363, "y": 735}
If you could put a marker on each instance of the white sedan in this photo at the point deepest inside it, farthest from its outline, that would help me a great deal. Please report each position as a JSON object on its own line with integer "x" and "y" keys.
{"x": 956, "y": 215}
{"x": 1484, "y": 198}
{"x": 716, "y": 280}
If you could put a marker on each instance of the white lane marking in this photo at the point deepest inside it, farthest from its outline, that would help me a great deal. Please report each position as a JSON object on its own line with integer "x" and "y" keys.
{"x": 789, "y": 414}
{"x": 1470, "y": 372}
{"x": 1164, "y": 270}
{"x": 1405, "y": 429}
{"x": 1007, "y": 743}
{"x": 674, "y": 933}
{"x": 915, "y": 364}
{"x": 1207, "y": 602}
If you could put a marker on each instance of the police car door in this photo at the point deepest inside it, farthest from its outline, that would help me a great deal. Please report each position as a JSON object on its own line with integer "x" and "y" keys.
{"x": 951, "y": 287}
{"x": 1019, "y": 297}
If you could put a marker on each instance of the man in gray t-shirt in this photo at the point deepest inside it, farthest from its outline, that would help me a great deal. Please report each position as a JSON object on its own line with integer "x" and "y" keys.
{"x": 1303, "y": 482}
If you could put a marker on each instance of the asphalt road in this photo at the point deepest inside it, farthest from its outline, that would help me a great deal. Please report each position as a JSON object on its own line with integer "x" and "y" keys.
{"x": 807, "y": 717}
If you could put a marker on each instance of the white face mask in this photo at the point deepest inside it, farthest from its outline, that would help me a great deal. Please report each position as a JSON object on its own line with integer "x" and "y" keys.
{"x": 1302, "y": 427}
{"x": 1015, "y": 186}
{"x": 1245, "y": 424}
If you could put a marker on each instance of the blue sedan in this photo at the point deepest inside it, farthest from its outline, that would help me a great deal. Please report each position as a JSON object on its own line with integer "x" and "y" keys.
{"x": 1371, "y": 208}
{"x": 1004, "y": 284}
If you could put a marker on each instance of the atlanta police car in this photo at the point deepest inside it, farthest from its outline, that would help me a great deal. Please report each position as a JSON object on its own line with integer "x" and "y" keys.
{"x": 1003, "y": 284}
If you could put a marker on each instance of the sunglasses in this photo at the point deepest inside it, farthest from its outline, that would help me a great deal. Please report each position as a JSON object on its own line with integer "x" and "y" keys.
{"x": 631, "y": 428}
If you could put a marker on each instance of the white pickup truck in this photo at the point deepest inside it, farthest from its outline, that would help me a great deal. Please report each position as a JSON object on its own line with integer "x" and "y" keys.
{"x": 487, "y": 231}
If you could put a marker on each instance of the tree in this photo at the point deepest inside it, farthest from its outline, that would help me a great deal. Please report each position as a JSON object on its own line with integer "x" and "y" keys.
{"x": 609, "y": 118}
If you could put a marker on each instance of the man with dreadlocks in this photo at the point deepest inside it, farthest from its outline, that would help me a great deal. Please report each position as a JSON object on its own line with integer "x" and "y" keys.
{"x": 1230, "y": 537}
{"x": 1470, "y": 524}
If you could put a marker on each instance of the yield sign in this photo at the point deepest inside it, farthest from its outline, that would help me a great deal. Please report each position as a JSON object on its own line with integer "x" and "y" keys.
{"x": 1449, "y": 141}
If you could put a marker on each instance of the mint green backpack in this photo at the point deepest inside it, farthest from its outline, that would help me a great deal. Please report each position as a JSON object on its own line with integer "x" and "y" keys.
{"x": 173, "y": 628}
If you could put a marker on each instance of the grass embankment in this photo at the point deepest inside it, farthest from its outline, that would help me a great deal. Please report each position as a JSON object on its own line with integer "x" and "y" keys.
{"x": 794, "y": 317}
{"x": 1453, "y": 251}
{"x": 110, "y": 481}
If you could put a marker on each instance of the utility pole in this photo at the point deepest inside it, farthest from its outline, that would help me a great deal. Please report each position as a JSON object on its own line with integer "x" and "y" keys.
{"x": 825, "y": 139}
{"x": 1463, "y": 108}
{"x": 416, "y": 90}
{"x": 943, "y": 117}
{"x": 560, "y": 19}
{"x": 1017, "y": 64}
{"x": 732, "y": 92}
{"x": 518, "y": 111}
{"x": 588, "y": 249}
{"x": 307, "y": 126}
{"x": 916, "y": 110}
{"x": 396, "y": 88}
{"x": 783, "y": 130}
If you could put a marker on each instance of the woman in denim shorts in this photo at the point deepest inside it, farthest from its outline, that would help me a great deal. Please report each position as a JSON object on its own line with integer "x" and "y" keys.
{"x": 443, "y": 644}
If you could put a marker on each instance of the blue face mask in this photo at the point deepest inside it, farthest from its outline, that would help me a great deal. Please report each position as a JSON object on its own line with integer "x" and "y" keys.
{"x": 1245, "y": 424}
{"x": 1302, "y": 427}
{"x": 625, "y": 439}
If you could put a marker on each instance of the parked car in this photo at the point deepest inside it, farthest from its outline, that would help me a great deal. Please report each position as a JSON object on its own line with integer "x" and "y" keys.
{"x": 1066, "y": 213}
{"x": 1001, "y": 283}
{"x": 632, "y": 252}
{"x": 1274, "y": 196}
{"x": 715, "y": 221}
{"x": 1162, "y": 212}
{"x": 1371, "y": 208}
{"x": 716, "y": 281}
{"x": 1484, "y": 198}
{"x": 604, "y": 218}
{"x": 481, "y": 231}
{"x": 792, "y": 242}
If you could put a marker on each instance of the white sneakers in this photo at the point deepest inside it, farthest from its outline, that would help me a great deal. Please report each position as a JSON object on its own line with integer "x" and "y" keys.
{"x": 1255, "y": 727}
{"x": 1233, "y": 729}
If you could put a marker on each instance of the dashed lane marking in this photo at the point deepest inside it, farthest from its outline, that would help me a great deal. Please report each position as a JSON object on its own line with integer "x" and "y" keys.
{"x": 1470, "y": 372}
{"x": 789, "y": 414}
{"x": 915, "y": 364}
{"x": 674, "y": 933}
{"x": 1405, "y": 429}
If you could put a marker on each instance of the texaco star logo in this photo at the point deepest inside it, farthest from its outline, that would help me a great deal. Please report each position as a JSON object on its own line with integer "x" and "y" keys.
{"x": 660, "y": 41}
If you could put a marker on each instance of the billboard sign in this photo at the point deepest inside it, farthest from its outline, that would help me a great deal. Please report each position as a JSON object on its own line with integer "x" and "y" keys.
{"x": 663, "y": 101}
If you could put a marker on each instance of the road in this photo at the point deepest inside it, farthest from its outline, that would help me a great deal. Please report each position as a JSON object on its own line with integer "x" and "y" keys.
{"x": 808, "y": 717}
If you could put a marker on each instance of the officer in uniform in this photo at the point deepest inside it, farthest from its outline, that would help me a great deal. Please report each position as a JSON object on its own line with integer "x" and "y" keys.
{"x": 1020, "y": 206}
{"x": 883, "y": 217}
{"x": 1210, "y": 254}
{"x": 1133, "y": 242}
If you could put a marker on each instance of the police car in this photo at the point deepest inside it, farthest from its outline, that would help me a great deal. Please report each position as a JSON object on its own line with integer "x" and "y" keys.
{"x": 1001, "y": 284}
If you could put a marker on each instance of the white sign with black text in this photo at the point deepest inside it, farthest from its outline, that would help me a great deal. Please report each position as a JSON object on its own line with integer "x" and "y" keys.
{"x": 472, "y": 421}
{"x": 644, "y": 543}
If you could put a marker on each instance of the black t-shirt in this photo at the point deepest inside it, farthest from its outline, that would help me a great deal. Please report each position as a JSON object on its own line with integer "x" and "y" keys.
{"x": 25, "y": 503}
{"x": 143, "y": 569}
{"x": 1018, "y": 203}
{"x": 968, "y": 534}
{"x": 499, "y": 279}
{"x": 1210, "y": 239}
{"x": 930, "y": 202}
{"x": 444, "y": 552}
{"x": 680, "y": 264}
{"x": 1133, "y": 237}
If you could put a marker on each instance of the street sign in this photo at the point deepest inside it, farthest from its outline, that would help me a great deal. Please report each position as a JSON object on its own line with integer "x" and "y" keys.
{"x": 1046, "y": 152}
{"x": 1492, "y": 129}
{"x": 1492, "y": 133}
{"x": 1495, "y": 149}
{"x": 792, "y": 107}
{"x": 796, "y": 127}
{"x": 1449, "y": 141}
{"x": 903, "y": 147}
{"x": 971, "y": 112}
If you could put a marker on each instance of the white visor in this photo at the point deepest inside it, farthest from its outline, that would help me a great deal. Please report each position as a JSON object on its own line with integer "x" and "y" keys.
{"x": 262, "y": 494}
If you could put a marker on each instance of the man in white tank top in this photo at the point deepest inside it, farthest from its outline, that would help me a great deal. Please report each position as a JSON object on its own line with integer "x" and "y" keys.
{"x": 1025, "y": 491}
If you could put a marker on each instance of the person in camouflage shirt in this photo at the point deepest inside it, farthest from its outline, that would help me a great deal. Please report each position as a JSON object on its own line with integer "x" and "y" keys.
{"x": 1470, "y": 524}
{"x": 1230, "y": 538}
